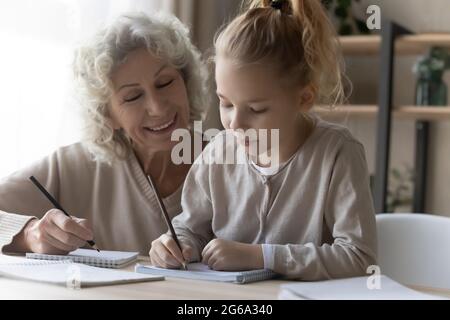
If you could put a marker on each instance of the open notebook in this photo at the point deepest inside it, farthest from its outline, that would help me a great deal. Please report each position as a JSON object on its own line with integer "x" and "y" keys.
{"x": 104, "y": 259}
{"x": 350, "y": 289}
{"x": 69, "y": 274}
{"x": 199, "y": 271}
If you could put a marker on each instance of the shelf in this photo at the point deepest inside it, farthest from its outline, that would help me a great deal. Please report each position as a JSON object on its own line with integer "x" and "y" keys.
{"x": 407, "y": 44}
{"x": 428, "y": 113}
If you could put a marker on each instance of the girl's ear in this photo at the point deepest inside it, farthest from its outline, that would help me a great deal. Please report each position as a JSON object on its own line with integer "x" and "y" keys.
{"x": 307, "y": 98}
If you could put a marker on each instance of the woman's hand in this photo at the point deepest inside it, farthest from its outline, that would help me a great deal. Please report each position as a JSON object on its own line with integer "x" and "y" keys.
{"x": 227, "y": 255}
{"x": 166, "y": 254}
{"x": 54, "y": 233}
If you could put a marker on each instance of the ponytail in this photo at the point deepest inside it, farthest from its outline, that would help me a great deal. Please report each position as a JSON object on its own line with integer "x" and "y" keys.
{"x": 295, "y": 35}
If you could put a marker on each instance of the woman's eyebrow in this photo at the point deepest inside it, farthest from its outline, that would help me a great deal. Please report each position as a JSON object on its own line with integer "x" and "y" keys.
{"x": 127, "y": 85}
{"x": 136, "y": 84}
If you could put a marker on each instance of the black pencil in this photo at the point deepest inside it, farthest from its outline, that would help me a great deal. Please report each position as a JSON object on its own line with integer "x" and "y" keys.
{"x": 57, "y": 205}
{"x": 166, "y": 217}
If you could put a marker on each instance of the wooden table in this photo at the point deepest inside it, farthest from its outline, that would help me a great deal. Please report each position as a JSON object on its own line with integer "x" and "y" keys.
{"x": 171, "y": 288}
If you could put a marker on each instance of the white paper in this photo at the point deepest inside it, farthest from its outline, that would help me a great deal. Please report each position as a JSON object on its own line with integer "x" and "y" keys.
{"x": 351, "y": 289}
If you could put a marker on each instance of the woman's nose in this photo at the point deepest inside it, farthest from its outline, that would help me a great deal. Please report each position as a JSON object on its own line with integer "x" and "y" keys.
{"x": 156, "y": 106}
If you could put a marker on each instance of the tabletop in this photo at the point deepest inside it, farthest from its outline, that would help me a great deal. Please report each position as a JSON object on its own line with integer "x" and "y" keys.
{"x": 170, "y": 288}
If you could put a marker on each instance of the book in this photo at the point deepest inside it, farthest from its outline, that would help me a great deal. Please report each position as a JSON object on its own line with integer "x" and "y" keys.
{"x": 351, "y": 289}
{"x": 103, "y": 259}
{"x": 199, "y": 271}
{"x": 70, "y": 274}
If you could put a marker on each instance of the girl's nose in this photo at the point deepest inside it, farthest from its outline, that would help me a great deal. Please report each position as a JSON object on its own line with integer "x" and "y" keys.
{"x": 237, "y": 121}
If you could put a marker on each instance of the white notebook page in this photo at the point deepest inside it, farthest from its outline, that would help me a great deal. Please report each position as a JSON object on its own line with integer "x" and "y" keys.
{"x": 70, "y": 274}
{"x": 351, "y": 289}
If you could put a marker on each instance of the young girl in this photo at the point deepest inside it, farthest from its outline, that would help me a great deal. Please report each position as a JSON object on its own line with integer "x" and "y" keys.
{"x": 310, "y": 217}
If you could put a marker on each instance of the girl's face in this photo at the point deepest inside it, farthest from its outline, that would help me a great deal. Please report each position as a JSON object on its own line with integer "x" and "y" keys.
{"x": 149, "y": 101}
{"x": 252, "y": 97}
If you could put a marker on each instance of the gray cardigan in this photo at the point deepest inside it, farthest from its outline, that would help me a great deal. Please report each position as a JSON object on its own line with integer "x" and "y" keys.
{"x": 316, "y": 214}
{"x": 117, "y": 199}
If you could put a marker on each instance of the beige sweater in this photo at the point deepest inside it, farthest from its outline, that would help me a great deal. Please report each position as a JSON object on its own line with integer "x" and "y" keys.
{"x": 117, "y": 199}
{"x": 315, "y": 215}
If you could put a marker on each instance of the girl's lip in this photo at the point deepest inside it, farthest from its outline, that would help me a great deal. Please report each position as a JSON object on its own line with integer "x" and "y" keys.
{"x": 247, "y": 142}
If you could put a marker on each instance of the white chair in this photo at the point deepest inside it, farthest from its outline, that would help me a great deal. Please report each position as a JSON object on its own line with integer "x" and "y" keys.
{"x": 414, "y": 249}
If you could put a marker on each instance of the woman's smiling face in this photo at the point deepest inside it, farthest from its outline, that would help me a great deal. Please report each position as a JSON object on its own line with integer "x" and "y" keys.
{"x": 149, "y": 100}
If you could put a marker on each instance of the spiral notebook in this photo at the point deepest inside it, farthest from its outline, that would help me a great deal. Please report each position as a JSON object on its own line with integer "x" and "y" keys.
{"x": 69, "y": 274}
{"x": 103, "y": 259}
{"x": 199, "y": 271}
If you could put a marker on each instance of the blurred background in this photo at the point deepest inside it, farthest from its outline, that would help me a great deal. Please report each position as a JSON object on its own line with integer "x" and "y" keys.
{"x": 38, "y": 109}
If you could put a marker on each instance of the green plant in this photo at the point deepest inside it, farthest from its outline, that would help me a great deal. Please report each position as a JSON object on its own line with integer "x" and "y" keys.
{"x": 434, "y": 63}
{"x": 431, "y": 88}
{"x": 400, "y": 190}
{"x": 347, "y": 22}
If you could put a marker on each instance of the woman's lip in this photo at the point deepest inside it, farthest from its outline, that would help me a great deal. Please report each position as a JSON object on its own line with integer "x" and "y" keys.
{"x": 169, "y": 128}
{"x": 155, "y": 127}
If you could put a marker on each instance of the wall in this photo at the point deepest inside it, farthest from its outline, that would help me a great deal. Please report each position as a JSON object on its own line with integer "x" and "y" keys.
{"x": 210, "y": 15}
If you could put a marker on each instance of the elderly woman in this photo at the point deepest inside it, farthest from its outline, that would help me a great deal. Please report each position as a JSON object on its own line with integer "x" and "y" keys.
{"x": 141, "y": 78}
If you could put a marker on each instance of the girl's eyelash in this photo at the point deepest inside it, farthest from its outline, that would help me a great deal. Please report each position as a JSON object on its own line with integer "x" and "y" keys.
{"x": 226, "y": 106}
{"x": 258, "y": 111}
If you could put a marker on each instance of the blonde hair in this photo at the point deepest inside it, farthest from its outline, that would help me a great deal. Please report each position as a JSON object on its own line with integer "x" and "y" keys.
{"x": 163, "y": 35}
{"x": 298, "y": 39}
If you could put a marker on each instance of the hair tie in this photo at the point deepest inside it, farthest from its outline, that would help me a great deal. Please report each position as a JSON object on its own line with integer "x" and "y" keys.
{"x": 277, "y": 4}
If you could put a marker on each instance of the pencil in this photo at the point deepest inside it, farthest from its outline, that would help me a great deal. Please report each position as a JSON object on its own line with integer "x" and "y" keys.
{"x": 166, "y": 217}
{"x": 57, "y": 205}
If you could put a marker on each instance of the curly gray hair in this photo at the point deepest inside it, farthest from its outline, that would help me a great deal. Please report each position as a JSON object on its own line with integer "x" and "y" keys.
{"x": 163, "y": 35}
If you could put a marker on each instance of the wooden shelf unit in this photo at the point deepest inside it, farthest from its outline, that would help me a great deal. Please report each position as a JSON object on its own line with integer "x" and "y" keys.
{"x": 422, "y": 113}
{"x": 393, "y": 40}
{"x": 404, "y": 44}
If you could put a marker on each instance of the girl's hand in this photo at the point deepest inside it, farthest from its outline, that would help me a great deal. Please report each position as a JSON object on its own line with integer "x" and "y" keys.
{"x": 166, "y": 254}
{"x": 226, "y": 255}
{"x": 54, "y": 233}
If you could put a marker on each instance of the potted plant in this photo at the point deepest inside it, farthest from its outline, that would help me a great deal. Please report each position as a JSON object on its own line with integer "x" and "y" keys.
{"x": 342, "y": 13}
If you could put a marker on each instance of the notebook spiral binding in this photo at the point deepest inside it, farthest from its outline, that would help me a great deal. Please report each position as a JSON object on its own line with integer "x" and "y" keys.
{"x": 251, "y": 276}
{"x": 95, "y": 262}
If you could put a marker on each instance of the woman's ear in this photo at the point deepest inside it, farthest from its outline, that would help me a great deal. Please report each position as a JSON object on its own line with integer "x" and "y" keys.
{"x": 307, "y": 98}
{"x": 113, "y": 124}
{"x": 110, "y": 119}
